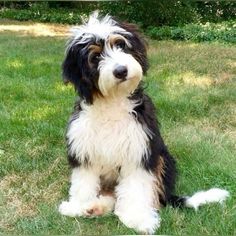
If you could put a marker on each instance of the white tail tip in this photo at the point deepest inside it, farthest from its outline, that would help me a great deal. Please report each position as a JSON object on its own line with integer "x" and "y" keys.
{"x": 204, "y": 197}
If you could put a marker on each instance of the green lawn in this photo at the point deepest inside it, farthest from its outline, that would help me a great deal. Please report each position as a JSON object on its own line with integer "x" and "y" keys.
{"x": 194, "y": 88}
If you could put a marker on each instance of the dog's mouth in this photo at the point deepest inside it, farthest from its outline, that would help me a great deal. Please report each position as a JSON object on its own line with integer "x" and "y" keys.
{"x": 122, "y": 80}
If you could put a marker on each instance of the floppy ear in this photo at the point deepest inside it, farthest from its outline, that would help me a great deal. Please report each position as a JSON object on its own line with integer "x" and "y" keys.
{"x": 72, "y": 71}
{"x": 139, "y": 44}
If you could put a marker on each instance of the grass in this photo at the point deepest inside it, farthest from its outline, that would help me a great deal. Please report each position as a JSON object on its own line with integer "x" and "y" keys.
{"x": 192, "y": 84}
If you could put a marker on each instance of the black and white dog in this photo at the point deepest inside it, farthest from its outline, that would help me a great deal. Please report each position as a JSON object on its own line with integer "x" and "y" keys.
{"x": 118, "y": 158}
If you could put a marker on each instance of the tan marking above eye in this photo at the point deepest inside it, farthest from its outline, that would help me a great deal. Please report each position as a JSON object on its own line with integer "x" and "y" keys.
{"x": 93, "y": 49}
{"x": 117, "y": 37}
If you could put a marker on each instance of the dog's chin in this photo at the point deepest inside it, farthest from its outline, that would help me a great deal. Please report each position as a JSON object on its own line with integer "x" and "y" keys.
{"x": 129, "y": 84}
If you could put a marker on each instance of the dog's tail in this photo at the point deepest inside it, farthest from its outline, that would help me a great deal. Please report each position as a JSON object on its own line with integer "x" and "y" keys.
{"x": 200, "y": 198}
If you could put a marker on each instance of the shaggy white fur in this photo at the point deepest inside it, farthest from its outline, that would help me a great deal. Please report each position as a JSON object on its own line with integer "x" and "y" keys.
{"x": 107, "y": 136}
{"x": 101, "y": 28}
{"x": 135, "y": 198}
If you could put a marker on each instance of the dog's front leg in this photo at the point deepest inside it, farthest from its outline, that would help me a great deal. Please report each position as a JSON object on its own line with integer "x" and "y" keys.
{"x": 136, "y": 200}
{"x": 85, "y": 185}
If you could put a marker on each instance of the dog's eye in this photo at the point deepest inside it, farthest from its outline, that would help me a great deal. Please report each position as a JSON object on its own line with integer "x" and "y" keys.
{"x": 120, "y": 44}
{"x": 95, "y": 58}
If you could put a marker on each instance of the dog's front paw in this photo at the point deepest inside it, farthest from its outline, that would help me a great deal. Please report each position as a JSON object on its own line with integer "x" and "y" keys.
{"x": 142, "y": 222}
{"x": 71, "y": 209}
{"x": 101, "y": 206}
{"x": 96, "y": 207}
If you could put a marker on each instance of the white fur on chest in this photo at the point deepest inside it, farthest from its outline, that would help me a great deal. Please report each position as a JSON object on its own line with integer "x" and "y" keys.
{"x": 107, "y": 134}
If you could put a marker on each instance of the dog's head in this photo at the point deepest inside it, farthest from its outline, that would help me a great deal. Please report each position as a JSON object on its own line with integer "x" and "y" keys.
{"x": 105, "y": 58}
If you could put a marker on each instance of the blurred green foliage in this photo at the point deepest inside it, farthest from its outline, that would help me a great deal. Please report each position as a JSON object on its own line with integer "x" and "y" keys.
{"x": 223, "y": 32}
{"x": 177, "y": 20}
{"x": 145, "y": 13}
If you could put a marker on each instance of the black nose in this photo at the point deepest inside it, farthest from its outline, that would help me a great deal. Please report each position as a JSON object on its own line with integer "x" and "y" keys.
{"x": 120, "y": 72}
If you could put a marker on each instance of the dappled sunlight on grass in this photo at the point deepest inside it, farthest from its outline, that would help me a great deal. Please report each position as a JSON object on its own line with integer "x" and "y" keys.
{"x": 204, "y": 81}
{"x": 15, "y": 64}
{"x": 211, "y": 60}
{"x": 61, "y": 87}
{"x": 171, "y": 46}
{"x": 232, "y": 63}
{"x": 35, "y": 29}
{"x": 42, "y": 113}
{"x": 189, "y": 79}
{"x": 31, "y": 113}
{"x": 192, "y": 45}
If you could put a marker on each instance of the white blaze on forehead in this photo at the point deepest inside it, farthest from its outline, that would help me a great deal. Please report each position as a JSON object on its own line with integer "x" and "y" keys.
{"x": 95, "y": 27}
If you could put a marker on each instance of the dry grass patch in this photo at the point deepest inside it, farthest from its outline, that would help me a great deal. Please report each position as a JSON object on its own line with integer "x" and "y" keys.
{"x": 35, "y": 29}
{"x": 21, "y": 194}
{"x": 13, "y": 206}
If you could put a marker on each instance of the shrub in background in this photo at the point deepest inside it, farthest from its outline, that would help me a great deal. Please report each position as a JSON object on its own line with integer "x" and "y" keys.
{"x": 224, "y": 32}
{"x": 162, "y": 19}
{"x": 145, "y": 13}
{"x": 152, "y": 12}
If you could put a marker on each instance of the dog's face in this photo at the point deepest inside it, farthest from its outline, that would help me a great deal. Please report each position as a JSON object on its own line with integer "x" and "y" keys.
{"x": 105, "y": 58}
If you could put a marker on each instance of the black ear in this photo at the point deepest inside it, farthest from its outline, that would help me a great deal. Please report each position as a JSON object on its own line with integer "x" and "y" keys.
{"x": 139, "y": 44}
{"x": 73, "y": 69}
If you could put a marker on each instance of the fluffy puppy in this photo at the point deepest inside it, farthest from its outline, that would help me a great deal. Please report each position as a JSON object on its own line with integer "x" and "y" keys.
{"x": 118, "y": 158}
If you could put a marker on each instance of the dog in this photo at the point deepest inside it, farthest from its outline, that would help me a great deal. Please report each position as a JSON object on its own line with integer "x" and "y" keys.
{"x": 119, "y": 160}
